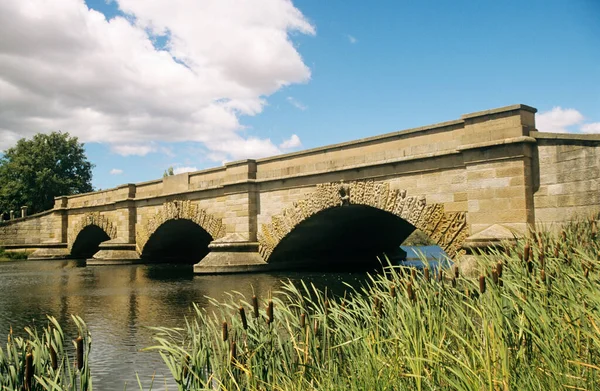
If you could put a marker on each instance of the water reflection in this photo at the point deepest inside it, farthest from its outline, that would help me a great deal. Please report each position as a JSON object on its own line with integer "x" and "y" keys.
{"x": 119, "y": 303}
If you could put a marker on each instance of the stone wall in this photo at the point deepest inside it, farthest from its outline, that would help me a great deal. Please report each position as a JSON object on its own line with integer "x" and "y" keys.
{"x": 40, "y": 228}
{"x": 568, "y": 185}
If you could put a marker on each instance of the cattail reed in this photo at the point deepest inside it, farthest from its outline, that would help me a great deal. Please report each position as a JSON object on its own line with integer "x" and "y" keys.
{"x": 542, "y": 257}
{"x": 586, "y": 272}
{"x": 270, "y": 312}
{"x": 316, "y": 327}
{"x": 79, "y": 350}
{"x": 563, "y": 235}
{"x": 243, "y": 318}
{"x": 375, "y": 305}
{"x": 326, "y": 308}
{"x": 526, "y": 253}
{"x": 413, "y": 274}
{"x": 453, "y": 282}
{"x": 499, "y": 268}
{"x": 426, "y": 274}
{"x": 225, "y": 333}
{"x": 255, "y": 306}
{"x": 456, "y": 271}
{"x": 53, "y": 357}
{"x": 233, "y": 353}
{"x": 495, "y": 276}
{"x": 409, "y": 291}
{"x": 556, "y": 251}
{"x": 543, "y": 276}
{"x": 28, "y": 370}
{"x": 393, "y": 291}
{"x": 302, "y": 320}
{"x": 482, "y": 284}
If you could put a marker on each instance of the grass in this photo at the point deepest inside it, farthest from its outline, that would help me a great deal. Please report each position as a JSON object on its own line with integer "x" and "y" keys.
{"x": 530, "y": 321}
{"x": 43, "y": 361}
{"x": 12, "y": 255}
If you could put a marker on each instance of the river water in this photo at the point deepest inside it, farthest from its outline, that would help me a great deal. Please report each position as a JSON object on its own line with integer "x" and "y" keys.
{"x": 119, "y": 303}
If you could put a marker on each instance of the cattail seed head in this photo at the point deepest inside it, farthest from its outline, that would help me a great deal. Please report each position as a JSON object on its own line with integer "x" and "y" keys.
{"x": 302, "y": 321}
{"x": 225, "y": 333}
{"x": 255, "y": 306}
{"x": 495, "y": 276}
{"x": 413, "y": 274}
{"x": 543, "y": 276}
{"x": 586, "y": 272}
{"x": 375, "y": 304}
{"x": 79, "y": 349}
{"x": 243, "y": 318}
{"x": 270, "y": 312}
{"x": 393, "y": 291}
{"x": 482, "y": 284}
{"x": 499, "y": 269}
{"x": 28, "y": 370}
{"x": 326, "y": 308}
{"x": 526, "y": 253}
{"x": 563, "y": 235}
{"x": 556, "y": 251}
{"x": 316, "y": 327}
{"x": 53, "y": 358}
{"x": 233, "y": 354}
{"x": 426, "y": 274}
{"x": 409, "y": 291}
{"x": 456, "y": 271}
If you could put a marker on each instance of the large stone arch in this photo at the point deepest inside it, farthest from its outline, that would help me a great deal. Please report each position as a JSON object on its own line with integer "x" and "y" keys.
{"x": 173, "y": 210}
{"x": 448, "y": 230}
{"x": 92, "y": 218}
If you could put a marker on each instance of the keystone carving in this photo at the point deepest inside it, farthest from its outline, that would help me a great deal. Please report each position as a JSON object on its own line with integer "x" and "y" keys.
{"x": 92, "y": 218}
{"x": 173, "y": 210}
{"x": 449, "y": 230}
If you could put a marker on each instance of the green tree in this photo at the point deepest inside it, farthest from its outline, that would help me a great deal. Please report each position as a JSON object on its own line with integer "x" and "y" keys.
{"x": 418, "y": 238}
{"x": 35, "y": 171}
{"x": 168, "y": 172}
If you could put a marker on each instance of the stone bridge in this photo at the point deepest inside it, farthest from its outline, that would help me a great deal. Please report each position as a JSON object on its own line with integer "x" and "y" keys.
{"x": 467, "y": 183}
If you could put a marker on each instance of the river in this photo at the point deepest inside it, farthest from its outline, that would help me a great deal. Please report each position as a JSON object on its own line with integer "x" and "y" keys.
{"x": 119, "y": 303}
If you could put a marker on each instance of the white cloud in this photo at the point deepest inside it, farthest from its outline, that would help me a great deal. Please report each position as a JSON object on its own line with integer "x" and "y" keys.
{"x": 352, "y": 39}
{"x": 559, "y": 120}
{"x": 296, "y": 103}
{"x": 65, "y": 67}
{"x": 593, "y": 127}
{"x": 116, "y": 171}
{"x": 292, "y": 142}
{"x": 179, "y": 170}
{"x": 136, "y": 150}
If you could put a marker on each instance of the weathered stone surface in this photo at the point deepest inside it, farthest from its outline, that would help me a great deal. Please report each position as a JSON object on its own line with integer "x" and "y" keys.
{"x": 456, "y": 181}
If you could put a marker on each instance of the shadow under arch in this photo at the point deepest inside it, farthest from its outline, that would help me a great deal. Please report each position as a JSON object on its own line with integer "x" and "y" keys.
{"x": 344, "y": 237}
{"x": 177, "y": 241}
{"x": 87, "y": 242}
{"x": 375, "y": 202}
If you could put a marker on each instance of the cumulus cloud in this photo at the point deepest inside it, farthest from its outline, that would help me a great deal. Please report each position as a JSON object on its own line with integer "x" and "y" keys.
{"x": 296, "y": 103}
{"x": 559, "y": 120}
{"x": 116, "y": 171}
{"x": 65, "y": 67}
{"x": 292, "y": 142}
{"x": 352, "y": 39}
{"x": 180, "y": 170}
{"x": 593, "y": 127}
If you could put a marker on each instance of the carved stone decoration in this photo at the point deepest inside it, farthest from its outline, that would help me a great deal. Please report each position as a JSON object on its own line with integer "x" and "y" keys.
{"x": 92, "y": 218}
{"x": 344, "y": 192}
{"x": 174, "y": 210}
{"x": 449, "y": 230}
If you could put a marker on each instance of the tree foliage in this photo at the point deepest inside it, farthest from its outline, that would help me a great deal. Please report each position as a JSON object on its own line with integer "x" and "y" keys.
{"x": 35, "y": 171}
{"x": 168, "y": 172}
{"x": 418, "y": 238}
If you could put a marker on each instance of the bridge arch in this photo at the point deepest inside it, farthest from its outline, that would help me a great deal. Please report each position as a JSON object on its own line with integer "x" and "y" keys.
{"x": 373, "y": 200}
{"x": 87, "y": 234}
{"x": 181, "y": 225}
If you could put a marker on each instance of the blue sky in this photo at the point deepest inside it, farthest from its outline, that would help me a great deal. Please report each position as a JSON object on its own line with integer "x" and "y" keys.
{"x": 347, "y": 70}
